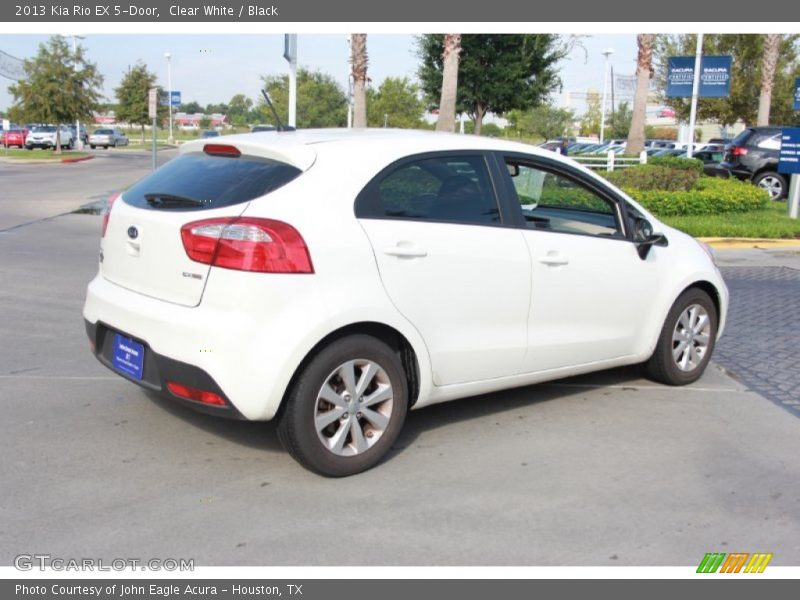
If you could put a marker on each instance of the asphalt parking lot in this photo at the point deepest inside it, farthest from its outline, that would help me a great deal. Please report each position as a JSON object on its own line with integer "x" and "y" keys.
{"x": 608, "y": 469}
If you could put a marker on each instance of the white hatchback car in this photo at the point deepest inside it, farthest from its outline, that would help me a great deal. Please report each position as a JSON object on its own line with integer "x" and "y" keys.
{"x": 333, "y": 279}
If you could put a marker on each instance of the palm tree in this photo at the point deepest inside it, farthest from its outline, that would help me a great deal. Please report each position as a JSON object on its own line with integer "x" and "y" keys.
{"x": 358, "y": 62}
{"x": 447, "y": 102}
{"x": 772, "y": 43}
{"x": 644, "y": 70}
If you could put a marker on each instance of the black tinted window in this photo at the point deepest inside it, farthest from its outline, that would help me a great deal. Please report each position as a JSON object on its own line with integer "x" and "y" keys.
{"x": 455, "y": 189}
{"x": 199, "y": 181}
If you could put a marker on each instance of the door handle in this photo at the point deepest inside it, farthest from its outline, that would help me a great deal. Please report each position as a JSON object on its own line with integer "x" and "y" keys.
{"x": 405, "y": 251}
{"x": 553, "y": 259}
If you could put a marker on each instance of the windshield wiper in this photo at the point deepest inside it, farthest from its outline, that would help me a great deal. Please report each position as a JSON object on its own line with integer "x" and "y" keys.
{"x": 173, "y": 201}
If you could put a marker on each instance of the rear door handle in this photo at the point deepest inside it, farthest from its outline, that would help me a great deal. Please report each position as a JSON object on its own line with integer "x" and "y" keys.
{"x": 402, "y": 250}
{"x": 553, "y": 259}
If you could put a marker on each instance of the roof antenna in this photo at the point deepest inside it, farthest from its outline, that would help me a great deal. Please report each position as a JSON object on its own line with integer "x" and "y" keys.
{"x": 281, "y": 126}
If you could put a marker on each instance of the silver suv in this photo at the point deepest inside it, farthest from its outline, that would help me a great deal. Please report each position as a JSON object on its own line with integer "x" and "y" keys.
{"x": 44, "y": 136}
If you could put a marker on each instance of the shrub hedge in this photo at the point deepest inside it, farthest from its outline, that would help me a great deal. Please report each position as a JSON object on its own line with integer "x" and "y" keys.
{"x": 709, "y": 195}
{"x": 655, "y": 177}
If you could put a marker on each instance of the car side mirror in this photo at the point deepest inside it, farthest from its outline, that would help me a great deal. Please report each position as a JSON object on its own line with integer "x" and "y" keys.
{"x": 645, "y": 238}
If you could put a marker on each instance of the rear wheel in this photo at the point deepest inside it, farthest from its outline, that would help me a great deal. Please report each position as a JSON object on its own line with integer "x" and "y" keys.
{"x": 774, "y": 183}
{"x": 687, "y": 340}
{"x": 92, "y": 146}
{"x": 346, "y": 408}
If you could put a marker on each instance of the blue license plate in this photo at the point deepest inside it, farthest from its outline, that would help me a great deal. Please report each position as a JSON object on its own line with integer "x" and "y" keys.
{"x": 128, "y": 356}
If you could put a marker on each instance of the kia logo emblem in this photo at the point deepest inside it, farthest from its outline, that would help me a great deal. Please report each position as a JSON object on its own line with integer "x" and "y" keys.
{"x": 133, "y": 233}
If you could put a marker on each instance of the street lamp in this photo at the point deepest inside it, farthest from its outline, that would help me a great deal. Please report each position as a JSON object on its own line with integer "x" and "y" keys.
{"x": 79, "y": 142}
{"x": 607, "y": 52}
{"x": 168, "y": 56}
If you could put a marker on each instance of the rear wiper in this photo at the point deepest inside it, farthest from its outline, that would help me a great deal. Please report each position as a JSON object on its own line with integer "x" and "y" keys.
{"x": 172, "y": 201}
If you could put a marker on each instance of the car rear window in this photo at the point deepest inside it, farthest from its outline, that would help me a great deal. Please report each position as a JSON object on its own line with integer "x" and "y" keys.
{"x": 103, "y": 132}
{"x": 199, "y": 181}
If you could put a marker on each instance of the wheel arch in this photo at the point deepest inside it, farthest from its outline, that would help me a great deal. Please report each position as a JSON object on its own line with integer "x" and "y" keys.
{"x": 381, "y": 331}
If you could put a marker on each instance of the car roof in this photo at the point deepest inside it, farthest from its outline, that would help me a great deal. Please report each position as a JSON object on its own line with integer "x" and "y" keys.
{"x": 300, "y": 148}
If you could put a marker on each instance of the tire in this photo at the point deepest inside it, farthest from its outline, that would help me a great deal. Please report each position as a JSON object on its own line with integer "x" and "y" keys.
{"x": 92, "y": 146}
{"x": 674, "y": 364}
{"x": 105, "y": 147}
{"x": 774, "y": 183}
{"x": 320, "y": 395}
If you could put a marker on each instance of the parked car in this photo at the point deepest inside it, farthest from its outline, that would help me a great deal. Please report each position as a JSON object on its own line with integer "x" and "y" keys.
{"x": 107, "y": 137}
{"x": 14, "y": 137}
{"x": 753, "y": 156}
{"x": 666, "y": 113}
{"x": 44, "y": 136}
{"x": 333, "y": 279}
{"x": 211, "y": 133}
{"x": 261, "y": 128}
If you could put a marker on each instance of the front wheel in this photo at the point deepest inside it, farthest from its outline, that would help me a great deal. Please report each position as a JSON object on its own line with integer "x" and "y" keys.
{"x": 687, "y": 340}
{"x": 346, "y": 408}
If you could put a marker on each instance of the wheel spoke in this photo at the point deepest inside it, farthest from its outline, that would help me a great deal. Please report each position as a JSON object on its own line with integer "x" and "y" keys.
{"x": 701, "y": 338}
{"x": 348, "y": 374}
{"x": 322, "y": 420}
{"x": 383, "y": 393}
{"x": 367, "y": 375}
{"x": 358, "y": 436}
{"x": 328, "y": 394}
{"x": 339, "y": 438}
{"x": 702, "y": 321}
{"x": 677, "y": 353}
{"x": 684, "y": 321}
{"x": 379, "y": 420}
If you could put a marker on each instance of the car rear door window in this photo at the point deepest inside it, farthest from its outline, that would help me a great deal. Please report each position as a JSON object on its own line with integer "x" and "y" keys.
{"x": 199, "y": 181}
{"x": 452, "y": 189}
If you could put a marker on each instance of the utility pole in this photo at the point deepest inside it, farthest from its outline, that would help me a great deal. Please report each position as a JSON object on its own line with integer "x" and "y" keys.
{"x": 695, "y": 90}
{"x": 290, "y": 54}
{"x": 607, "y": 52}
{"x": 168, "y": 56}
{"x": 79, "y": 141}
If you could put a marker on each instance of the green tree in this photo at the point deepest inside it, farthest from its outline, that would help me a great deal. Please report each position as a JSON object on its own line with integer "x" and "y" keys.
{"x": 133, "y": 96}
{"x": 190, "y": 108}
{"x": 619, "y": 121}
{"x": 543, "y": 121}
{"x": 496, "y": 72}
{"x": 747, "y": 51}
{"x": 397, "y": 101}
{"x": 205, "y": 122}
{"x": 59, "y": 86}
{"x": 320, "y": 100}
{"x": 590, "y": 122}
{"x": 238, "y": 110}
{"x": 220, "y": 108}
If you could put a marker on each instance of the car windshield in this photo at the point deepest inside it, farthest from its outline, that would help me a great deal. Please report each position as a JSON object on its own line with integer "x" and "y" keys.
{"x": 103, "y": 132}
{"x": 45, "y": 129}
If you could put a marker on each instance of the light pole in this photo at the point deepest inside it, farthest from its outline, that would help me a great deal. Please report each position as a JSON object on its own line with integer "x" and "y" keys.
{"x": 168, "y": 56}
{"x": 79, "y": 142}
{"x": 607, "y": 52}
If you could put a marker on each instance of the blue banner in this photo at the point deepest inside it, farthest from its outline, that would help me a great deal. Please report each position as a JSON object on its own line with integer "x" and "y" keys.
{"x": 715, "y": 76}
{"x": 789, "y": 157}
{"x": 797, "y": 94}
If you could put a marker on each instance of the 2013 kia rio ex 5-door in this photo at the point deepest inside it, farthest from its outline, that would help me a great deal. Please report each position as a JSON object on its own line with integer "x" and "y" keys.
{"x": 334, "y": 279}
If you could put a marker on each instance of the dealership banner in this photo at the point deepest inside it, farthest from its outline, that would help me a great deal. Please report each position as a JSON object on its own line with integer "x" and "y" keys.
{"x": 797, "y": 94}
{"x": 715, "y": 76}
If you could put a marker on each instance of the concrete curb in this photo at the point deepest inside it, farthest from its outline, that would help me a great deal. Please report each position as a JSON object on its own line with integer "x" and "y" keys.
{"x": 75, "y": 160}
{"x": 737, "y": 243}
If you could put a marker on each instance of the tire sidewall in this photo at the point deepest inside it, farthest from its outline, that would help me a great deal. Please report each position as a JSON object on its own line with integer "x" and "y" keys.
{"x": 296, "y": 422}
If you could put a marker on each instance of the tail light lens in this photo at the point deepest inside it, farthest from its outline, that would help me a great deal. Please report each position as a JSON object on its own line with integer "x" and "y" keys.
{"x": 247, "y": 244}
{"x": 190, "y": 393}
{"x": 107, "y": 213}
{"x": 738, "y": 151}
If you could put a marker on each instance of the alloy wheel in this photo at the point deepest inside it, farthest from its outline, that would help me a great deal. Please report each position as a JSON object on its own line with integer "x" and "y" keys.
{"x": 691, "y": 338}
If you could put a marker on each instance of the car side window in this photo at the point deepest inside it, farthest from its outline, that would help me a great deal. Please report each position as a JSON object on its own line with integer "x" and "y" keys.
{"x": 451, "y": 189}
{"x": 555, "y": 202}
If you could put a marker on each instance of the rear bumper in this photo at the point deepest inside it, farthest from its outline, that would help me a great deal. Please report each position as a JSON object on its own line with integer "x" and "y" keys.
{"x": 158, "y": 370}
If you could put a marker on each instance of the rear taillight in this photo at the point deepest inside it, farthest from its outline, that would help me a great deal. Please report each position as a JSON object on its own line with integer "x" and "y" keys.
{"x": 190, "y": 393}
{"x": 738, "y": 151}
{"x": 222, "y": 150}
{"x": 107, "y": 213}
{"x": 247, "y": 244}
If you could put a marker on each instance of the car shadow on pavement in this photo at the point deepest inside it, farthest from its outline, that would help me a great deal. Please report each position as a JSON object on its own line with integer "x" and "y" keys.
{"x": 263, "y": 435}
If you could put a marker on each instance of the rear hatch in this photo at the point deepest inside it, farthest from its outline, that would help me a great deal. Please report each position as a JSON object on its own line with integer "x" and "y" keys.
{"x": 142, "y": 249}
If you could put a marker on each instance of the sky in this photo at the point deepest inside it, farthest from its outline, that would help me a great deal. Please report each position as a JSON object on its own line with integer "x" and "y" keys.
{"x": 213, "y": 68}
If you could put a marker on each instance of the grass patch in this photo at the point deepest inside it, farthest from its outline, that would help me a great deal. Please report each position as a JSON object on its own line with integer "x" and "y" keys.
{"x": 39, "y": 154}
{"x": 771, "y": 222}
